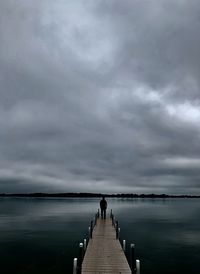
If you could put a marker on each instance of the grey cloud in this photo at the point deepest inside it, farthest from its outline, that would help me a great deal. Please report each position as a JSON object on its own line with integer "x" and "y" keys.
{"x": 99, "y": 96}
{"x": 158, "y": 41}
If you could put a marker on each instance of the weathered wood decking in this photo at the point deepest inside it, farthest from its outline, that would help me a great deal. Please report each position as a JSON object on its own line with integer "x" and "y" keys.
{"x": 104, "y": 253}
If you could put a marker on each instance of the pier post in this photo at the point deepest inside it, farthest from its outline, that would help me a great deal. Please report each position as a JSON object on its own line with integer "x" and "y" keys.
{"x": 111, "y": 214}
{"x": 119, "y": 233}
{"x": 112, "y": 217}
{"x": 114, "y": 223}
{"x": 95, "y": 219}
{"x": 84, "y": 244}
{"x": 133, "y": 266}
{"x": 98, "y": 214}
{"x": 137, "y": 266}
{"x": 91, "y": 229}
{"x": 80, "y": 258}
{"x": 124, "y": 245}
{"x": 117, "y": 229}
{"x": 75, "y": 266}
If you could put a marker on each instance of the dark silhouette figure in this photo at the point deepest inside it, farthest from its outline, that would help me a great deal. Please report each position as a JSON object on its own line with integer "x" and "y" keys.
{"x": 103, "y": 206}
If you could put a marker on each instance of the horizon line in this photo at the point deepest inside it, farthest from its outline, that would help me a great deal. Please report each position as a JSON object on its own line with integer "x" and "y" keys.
{"x": 91, "y": 194}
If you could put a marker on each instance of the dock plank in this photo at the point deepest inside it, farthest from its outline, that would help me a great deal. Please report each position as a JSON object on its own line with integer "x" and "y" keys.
{"x": 104, "y": 253}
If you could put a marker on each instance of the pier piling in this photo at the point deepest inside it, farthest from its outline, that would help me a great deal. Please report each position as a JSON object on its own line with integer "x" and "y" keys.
{"x": 124, "y": 245}
{"x": 80, "y": 257}
{"x": 91, "y": 229}
{"x": 84, "y": 244}
{"x": 75, "y": 266}
{"x": 132, "y": 260}
{"x": 137, "y": 266}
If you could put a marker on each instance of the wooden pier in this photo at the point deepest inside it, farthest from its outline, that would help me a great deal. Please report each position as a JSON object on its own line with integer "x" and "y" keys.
{"x": 104, "y": 253}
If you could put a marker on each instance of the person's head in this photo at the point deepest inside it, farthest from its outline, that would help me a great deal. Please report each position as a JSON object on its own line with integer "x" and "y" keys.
{"x": 103, "y": 197}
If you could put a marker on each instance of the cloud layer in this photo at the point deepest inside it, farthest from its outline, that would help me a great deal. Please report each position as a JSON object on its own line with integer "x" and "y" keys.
{"x": 100, "y": 96}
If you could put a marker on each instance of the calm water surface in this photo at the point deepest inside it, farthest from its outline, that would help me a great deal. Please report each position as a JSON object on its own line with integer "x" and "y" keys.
{"x": 42, "y": 235}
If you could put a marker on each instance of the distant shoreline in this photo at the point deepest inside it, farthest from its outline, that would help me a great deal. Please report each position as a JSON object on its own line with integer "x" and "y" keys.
{"x": 93, "y": 195}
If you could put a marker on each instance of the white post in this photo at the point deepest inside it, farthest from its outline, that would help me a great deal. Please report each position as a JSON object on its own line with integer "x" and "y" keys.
{"x": 124, "y": 245}
{"x": 75, "y": 266}
{"x": 132, "y": 260}
{"x": 137, "y": 266}
{"x": 80, "y": 257}
{"x": 84, "y": 244}
{"x": 89, "y": 231}
{"x": 119, "y": 233}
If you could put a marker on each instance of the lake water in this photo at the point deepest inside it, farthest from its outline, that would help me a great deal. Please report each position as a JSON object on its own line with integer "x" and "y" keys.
{"x": 40, "y": 235}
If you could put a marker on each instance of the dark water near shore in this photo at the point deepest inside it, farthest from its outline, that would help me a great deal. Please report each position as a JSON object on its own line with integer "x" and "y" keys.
{"x": 41, "y": 235}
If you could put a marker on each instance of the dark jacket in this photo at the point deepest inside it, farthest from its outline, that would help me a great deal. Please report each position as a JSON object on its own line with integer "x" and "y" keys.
{"x": 103, "y": 204}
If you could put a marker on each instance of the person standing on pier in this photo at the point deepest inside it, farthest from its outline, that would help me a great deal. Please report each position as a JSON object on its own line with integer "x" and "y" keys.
{"x": 103, "y": 206}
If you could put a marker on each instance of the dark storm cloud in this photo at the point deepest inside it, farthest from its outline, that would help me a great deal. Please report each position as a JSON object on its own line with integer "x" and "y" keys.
{"x": 99, "y": 96}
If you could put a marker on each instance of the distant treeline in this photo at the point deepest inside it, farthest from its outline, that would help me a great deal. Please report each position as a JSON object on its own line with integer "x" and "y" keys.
{"x": 85, "y": 194}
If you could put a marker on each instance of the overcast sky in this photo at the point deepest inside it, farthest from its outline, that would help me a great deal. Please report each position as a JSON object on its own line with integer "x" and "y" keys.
{"x": 100, "y": 96}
